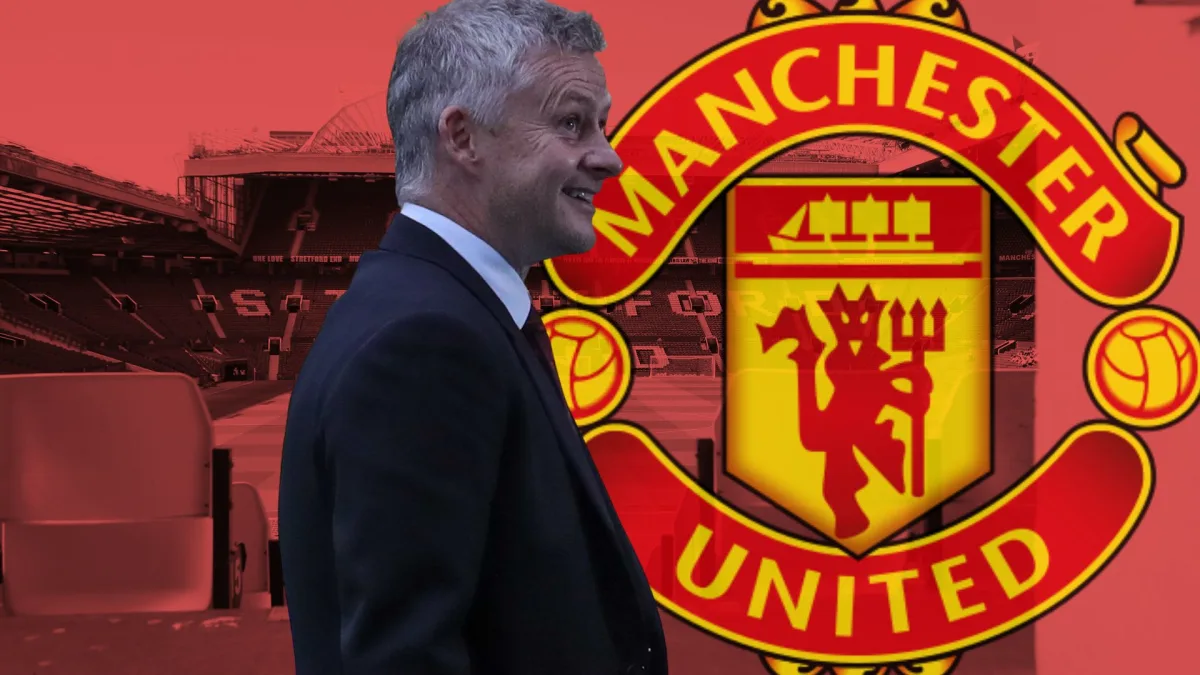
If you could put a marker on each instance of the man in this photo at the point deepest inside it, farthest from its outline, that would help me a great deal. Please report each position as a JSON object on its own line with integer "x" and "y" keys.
{"x": 439, "y": 512}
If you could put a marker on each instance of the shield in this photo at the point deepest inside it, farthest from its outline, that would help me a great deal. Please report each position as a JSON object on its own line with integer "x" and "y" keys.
{"x": 858, "y": 382}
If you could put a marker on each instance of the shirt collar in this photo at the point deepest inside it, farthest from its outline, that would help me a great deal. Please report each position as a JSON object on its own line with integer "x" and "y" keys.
{"x": 485, "y": 260}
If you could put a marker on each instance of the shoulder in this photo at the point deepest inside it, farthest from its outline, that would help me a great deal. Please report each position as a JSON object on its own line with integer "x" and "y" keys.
{"x": 390, "y": 285}
{"x": 432, "y": 360}
{"x": 426, "y": 347}
{"x": 402, "y": 317}
{"x": 440, "y": 334}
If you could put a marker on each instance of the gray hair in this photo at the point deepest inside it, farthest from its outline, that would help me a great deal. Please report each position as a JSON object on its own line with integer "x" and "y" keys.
{"x": 469, "y": 53}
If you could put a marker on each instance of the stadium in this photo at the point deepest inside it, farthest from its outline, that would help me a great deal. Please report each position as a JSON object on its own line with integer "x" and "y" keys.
{"x": 231, "y": 279}
{"x": 228, "y": 282}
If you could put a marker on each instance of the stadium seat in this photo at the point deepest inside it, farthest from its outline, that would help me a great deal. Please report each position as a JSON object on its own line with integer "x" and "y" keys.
{"x": 104, "y": 494}
{"x": 353, "y": 218}
{"x": 280, "y": 200}
{"x": 248, "y": 526}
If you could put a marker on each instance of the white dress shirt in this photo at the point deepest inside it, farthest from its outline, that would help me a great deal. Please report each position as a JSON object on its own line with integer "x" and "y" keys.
{"x": 495, "y": 270}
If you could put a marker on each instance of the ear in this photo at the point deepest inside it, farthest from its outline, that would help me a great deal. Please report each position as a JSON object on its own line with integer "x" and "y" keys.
{"x": 456, "y": 134}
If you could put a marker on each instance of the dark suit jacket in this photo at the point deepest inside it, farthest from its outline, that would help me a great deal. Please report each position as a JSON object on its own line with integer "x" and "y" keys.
{"x": 439, "y": 513}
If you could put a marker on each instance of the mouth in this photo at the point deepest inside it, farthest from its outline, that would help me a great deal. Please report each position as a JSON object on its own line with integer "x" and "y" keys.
{"x": 580, "y": 194}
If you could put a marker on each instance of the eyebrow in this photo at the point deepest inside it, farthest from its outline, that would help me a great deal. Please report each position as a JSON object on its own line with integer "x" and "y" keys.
{"x": 604, "y": 103}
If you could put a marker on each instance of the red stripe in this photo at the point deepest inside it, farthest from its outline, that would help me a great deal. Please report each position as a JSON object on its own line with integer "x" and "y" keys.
{"x": 750, "y": 270}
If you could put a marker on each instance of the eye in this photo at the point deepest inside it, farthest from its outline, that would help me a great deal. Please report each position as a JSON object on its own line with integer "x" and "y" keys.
{"x": 845, "y": 317}
{"x": 573, "y": 123}
{"x": 863, "y": 318}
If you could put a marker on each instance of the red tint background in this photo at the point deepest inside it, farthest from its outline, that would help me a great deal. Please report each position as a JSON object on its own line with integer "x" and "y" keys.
{"x": 118, "y": 85}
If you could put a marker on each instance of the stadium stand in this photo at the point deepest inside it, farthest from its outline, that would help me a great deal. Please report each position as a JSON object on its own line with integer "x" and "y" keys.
{"x": 353, "y": 217}
{"x": 18, "y": 356}
{"x": 651, "y": 314}
{"x": 248, "y": 308}
{"x": 1014, "y": 309}
{"x": 707, "y": 237}
{"x": 90, "y": 304}
{"x": 18, "y": 304}
{"x": 235, "y": 315}
{"x": 191, "y": 306}
{"x": 1011, "y": 239}
{"x": 278, "y": 201}
{"x": 161, "y": 302}
{"x": 320, "y": 294}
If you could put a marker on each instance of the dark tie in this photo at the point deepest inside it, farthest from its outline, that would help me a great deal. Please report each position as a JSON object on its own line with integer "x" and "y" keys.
{"x": 535, "y": 332}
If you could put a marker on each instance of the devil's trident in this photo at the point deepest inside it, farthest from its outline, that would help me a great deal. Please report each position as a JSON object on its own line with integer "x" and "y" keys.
{"x": 917, "y": 343}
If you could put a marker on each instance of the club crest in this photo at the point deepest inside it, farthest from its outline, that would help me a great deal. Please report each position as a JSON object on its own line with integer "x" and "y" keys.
{"x": 858, "y": 393}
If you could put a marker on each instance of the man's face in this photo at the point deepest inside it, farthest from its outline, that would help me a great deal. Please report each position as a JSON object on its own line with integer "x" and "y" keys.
{"x": 548, "y": 158}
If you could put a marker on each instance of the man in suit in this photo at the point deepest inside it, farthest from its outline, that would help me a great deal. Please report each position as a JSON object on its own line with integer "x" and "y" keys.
{"x": 439, "y": 511}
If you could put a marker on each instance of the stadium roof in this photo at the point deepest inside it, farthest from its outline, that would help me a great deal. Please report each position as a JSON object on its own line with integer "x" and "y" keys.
{"x": 358, "y": 140}
{"x": 50, "y": 205}
{"x": 360, "y": 127}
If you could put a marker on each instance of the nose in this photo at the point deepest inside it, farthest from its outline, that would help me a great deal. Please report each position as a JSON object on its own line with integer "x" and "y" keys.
{"x": 603, "y": 162}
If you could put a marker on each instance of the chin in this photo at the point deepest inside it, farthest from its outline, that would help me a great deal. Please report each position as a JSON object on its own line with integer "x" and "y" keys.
{"x": 587, "y": 237}
{"x": 582, "y": 239}
{"x": 572, "y": 237}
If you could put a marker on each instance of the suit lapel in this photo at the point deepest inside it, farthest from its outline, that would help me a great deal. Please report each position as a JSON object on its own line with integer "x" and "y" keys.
{"x": 408, "y": 237}
{"x": 569, "y": 439}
